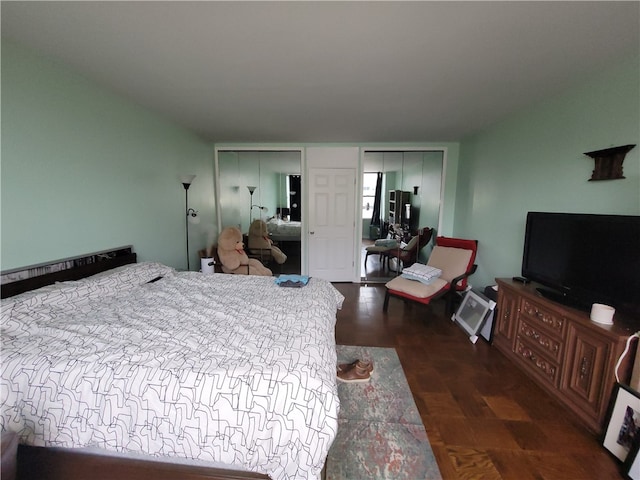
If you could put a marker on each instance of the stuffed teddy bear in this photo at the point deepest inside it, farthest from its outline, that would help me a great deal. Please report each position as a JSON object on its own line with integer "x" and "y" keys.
{"x": 233, "y": 257}
{"x": 259, "y": 240}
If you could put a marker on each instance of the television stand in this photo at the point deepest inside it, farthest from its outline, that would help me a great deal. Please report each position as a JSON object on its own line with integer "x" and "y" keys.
{"x": 562, "y": 350}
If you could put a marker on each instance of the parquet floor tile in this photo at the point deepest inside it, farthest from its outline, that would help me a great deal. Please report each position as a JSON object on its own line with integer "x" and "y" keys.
{"x": 473, "y": 463}
{"x": 492, "y": 433}
{"x": 441, "y": 404}
{"x": 513, "y": 465}
{"x": 505, "y": 408}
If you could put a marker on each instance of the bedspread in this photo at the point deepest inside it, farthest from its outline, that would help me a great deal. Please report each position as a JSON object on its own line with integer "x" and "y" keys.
{"x": 225, "y": 368}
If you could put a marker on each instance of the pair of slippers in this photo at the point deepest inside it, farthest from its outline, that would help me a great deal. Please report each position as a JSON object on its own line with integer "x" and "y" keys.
{"x": 354, "y": 372}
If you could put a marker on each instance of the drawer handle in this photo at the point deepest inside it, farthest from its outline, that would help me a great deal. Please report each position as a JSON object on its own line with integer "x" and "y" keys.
{"x": 542, "y": 316}
{"x": 546, "y": 368}
{"x": 584, "y": 367}
{"x": 542, "y": 340}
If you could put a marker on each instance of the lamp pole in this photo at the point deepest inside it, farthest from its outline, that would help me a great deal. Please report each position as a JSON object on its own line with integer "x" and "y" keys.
{"x": 186, "y": 183}
{"x": 186, "y": 220}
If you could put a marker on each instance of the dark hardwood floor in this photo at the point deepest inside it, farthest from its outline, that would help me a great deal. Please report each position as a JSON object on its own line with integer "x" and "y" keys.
{"x": 484, "y": 418}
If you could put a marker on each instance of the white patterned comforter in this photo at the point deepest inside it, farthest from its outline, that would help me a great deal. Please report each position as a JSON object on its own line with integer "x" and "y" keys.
{"x": 224, "y": 368}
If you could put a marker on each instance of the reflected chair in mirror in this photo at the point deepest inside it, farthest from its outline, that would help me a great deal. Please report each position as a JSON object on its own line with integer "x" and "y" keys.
{"x": 262, "y": 254}
{"x": 410, "y": 253}
{"x": 455, "y": 257}
{"x": 380, "y": 249}
{"x": 260, "y": 246}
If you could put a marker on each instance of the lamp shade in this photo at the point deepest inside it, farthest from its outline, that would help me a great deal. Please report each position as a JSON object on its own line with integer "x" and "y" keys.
{"x": 251, "y": 189}
{"x": 187, "y": 179}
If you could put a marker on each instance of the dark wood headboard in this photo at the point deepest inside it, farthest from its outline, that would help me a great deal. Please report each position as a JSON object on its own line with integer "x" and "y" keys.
{"x": 19, "y": 280}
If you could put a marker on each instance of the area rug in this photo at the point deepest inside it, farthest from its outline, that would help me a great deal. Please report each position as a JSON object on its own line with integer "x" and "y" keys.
{"x": 380, "y": 433}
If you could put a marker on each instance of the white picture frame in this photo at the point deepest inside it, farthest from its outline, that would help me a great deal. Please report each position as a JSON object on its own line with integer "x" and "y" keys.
{"x": 631, "y": 465}
{"x": 623, "y": 421}
{"x": 472, "y": 313}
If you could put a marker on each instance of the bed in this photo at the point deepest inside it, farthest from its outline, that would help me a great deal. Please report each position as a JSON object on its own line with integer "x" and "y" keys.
{"x": 283, "y": 231}
{"x": 219, "y": 371}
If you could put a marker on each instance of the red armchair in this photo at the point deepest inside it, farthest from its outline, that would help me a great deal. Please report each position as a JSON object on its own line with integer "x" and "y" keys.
{"x": 455, "y": 257}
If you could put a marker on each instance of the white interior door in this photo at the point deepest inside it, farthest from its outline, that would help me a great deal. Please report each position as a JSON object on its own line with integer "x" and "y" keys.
{"x": 332, "y": 223}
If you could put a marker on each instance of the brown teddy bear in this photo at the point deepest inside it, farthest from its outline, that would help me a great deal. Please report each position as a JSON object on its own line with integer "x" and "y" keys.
{"x": 259, "y": 242}
{"x": 233, "y": 257}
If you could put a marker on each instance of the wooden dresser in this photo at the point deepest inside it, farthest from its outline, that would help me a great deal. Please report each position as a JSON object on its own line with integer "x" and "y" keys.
{"x": 562, "y": 350}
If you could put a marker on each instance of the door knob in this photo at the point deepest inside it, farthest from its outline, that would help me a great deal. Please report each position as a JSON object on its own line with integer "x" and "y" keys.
{"x": 311, "y": 233}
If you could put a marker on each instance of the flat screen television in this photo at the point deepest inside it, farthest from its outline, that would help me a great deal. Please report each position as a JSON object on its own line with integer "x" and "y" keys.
{"x": 581, "y": 259}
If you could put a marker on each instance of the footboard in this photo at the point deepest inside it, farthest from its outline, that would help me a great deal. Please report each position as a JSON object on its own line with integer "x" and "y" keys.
{"x": 37, "y": 463}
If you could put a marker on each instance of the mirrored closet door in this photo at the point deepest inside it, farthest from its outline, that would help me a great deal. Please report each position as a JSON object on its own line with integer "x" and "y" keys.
{"x": 262, "y": 184}
{"x": 402, "y": 191}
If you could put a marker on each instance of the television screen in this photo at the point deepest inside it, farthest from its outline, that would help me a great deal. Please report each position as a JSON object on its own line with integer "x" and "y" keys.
{"x": 584, "y": 258}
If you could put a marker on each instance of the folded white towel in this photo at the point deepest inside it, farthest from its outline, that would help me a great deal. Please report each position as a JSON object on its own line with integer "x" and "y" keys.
{"x": 421, "y": 273}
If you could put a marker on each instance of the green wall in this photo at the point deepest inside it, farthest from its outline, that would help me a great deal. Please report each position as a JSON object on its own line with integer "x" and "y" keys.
{"x": 86, "y": 170}
{"x": 534, "y": 161}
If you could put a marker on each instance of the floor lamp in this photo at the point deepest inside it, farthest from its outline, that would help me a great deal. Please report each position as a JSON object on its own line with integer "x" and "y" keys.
{"x": 191, "y": 214}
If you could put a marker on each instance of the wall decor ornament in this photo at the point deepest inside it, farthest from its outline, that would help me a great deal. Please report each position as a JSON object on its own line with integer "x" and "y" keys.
{"x": 608, "y": 162}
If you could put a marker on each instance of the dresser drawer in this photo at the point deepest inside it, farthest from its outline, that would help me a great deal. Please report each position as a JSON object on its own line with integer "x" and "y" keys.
{"x": 538, "y": 316}
{"x": 538, "y": 363}
{"x": 541, "y": 340}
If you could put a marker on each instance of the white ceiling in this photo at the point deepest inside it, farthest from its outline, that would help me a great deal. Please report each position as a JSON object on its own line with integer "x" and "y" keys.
{"x": 331, "y": 71}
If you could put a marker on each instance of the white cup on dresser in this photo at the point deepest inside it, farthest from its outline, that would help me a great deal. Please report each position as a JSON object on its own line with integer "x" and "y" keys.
{"x": 601, "y": 313}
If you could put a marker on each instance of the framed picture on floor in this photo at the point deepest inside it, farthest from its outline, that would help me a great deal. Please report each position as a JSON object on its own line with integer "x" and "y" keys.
{"x": 472, "y": 313}
{"x": 623, "y": 421}
{"x": 632, "y": 463}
